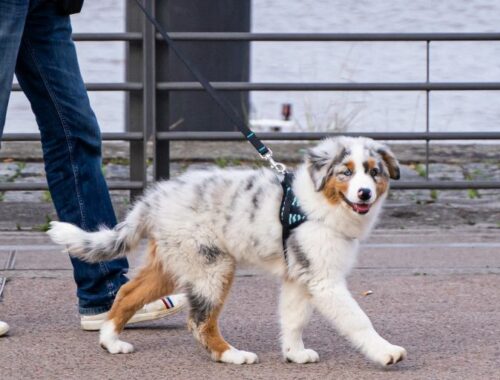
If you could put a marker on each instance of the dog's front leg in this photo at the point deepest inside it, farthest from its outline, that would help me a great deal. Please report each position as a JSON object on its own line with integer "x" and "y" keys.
{"x": 335, "y": 302}
{"x": 295, "y": 311}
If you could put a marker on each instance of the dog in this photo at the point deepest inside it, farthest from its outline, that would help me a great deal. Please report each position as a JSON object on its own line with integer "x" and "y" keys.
{"x": 201, "y": 224}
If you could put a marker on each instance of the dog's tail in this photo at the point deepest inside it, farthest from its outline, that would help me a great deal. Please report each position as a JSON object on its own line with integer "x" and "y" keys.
{"x": 105, "y": 244}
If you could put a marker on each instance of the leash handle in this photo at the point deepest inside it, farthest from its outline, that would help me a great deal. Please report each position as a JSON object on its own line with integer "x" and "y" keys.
{"x": 223, "y": 104}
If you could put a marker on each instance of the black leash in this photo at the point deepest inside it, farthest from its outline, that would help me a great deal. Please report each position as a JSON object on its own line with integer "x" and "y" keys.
{"x": 291, "y": 215}
{"x": 223, "y": 104}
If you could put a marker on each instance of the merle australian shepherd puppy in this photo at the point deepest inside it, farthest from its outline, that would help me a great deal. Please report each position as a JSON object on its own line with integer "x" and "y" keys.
{"x": 201, "y": 224}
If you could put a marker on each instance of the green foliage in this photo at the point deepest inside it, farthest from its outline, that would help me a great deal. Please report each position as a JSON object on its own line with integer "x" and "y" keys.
{"x": 118, "y": 161}
{"x": 259, "y": 164}
{"x": 473, "y": 194}
{"x": 19, "y": 169}
{"x": 223, "y": 162}
{"x": 420, "y": 169}
{"x": 46, "y": 197}
{"x": 44, "y": 227}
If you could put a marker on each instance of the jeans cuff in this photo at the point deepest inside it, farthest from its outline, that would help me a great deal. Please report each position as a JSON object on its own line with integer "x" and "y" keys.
{"x": 94, "y": 310}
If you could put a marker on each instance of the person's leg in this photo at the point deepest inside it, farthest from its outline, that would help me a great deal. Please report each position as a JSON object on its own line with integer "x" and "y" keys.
{"x": 48, "y": 72}
{"x": 12, "y": 18}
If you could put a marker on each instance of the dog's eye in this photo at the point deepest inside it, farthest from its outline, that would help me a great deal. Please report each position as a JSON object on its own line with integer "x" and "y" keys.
{"x": 374, "y": 172}
{"x": 347, "y": 173}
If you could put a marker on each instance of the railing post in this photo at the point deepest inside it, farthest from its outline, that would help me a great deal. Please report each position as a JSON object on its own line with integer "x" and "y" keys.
{"x": 134, "y": 100}
{"x": 218, "y": 61}
{"x": 161, "y": 150}
{"x": 427, "y": 106}
{"x": 149, "y": 82}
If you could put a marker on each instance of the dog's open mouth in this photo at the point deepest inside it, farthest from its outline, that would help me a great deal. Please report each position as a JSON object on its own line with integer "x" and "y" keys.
{"x": 360, "y": 208}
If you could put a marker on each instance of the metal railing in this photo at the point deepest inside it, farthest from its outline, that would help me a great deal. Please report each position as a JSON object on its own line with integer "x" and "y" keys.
{"x": 160, "y": 136}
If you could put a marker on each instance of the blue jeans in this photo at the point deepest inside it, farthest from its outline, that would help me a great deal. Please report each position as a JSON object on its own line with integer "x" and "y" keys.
{"x": 35, "y": 42}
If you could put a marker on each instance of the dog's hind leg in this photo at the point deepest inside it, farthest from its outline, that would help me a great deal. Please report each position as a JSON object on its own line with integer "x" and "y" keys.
{"x": 151, "y": 283}
{"x": 295, "y": 312}
{"x": 207, "y": 300}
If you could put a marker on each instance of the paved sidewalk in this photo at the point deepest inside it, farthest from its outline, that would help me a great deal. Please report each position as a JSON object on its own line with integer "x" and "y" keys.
{"x": 434, "y": 292}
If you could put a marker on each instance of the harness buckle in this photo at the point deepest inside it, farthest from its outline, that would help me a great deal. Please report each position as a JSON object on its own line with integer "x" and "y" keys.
{"x": 278, "y": 166}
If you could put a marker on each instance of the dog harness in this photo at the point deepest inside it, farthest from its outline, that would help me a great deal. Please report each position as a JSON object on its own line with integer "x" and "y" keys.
{"x": 291, "y": 215}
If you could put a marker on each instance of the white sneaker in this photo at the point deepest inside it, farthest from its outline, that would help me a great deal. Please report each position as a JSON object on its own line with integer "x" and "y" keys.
{"x": 155, "y": 310}
{"x": 4, "y": 328}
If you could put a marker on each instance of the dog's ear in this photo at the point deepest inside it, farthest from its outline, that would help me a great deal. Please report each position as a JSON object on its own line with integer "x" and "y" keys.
{"x": 318, "y": 164}
{"x": 322, "y": 159}
{"x": 389, "y": 159}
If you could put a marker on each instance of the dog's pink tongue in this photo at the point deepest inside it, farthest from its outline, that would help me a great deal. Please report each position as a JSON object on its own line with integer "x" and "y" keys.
{"x": 361, "y": 208}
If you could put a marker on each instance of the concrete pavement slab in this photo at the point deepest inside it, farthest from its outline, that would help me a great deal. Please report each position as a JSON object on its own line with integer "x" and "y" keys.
{"x": 438, "y": 300}
{"x": 449, "y": 324}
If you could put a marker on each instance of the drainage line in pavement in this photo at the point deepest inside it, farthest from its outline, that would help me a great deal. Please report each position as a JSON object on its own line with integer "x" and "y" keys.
{"x": 9, "y": 265}
{"x": 11, "y": 260}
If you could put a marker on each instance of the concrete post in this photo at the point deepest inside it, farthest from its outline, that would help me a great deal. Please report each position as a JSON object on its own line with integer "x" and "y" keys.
{"x": 218, "y": 61}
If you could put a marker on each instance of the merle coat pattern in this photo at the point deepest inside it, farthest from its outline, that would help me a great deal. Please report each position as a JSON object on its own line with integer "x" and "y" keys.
{"x": 203, "y": 223}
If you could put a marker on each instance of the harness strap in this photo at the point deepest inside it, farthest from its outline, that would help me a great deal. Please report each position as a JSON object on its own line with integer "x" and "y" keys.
{"x": 291, "y": 215}
{"x": 222, "y": 102}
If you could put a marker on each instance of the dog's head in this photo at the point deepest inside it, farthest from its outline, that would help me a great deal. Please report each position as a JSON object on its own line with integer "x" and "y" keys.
{"x": 352, "y": 172}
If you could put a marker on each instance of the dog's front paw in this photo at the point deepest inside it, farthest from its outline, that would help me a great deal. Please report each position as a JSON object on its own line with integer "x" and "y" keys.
{"x": 235, "y": 356}
{"x": 302, "y": 356}
{"x": 387, "y": 354}
{"x": 117, "y": 347}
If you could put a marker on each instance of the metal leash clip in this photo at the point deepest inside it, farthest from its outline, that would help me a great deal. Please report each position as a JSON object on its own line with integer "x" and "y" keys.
{"x": 278, "y": 166}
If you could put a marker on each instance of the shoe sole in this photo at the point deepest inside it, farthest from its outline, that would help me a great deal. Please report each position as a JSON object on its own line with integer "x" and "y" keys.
{"x": 4, "y": 331}
{"x": 143, "y": 317}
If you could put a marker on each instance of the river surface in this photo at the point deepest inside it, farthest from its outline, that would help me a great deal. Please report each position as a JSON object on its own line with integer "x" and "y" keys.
{"x": 330, "y": 62}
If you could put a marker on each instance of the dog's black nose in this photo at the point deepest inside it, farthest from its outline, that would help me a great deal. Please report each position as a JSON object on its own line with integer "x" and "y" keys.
{"x": 364, "y": 194}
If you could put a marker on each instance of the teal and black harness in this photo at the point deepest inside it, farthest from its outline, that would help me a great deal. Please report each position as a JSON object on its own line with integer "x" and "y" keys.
{"x": 291, "y": 215}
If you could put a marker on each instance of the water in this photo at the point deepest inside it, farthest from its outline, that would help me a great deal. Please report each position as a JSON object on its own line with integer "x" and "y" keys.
{"x": 331, "y": 62}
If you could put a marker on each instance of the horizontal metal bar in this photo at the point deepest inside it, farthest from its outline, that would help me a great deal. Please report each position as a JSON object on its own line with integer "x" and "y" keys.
{"x": 337, "y": 37}
{"x": 37, "y": 186}
{"x": 127, "y": 86}
{"x": 408, "y": 185}
{"x": 403, "y": 86}
{"x": 445, "y": 185}
{"x": 248, "y": 86}
{"x": 334, "y": 37}
{"x": 107, "y": 136}
{"x": 129, "y": 36}
{"x": 237, "y": 136}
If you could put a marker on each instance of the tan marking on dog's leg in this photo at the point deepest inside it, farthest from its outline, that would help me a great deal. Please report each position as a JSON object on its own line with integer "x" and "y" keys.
{"x": 204, "y": 326}
{"x": 207, "y": 332}
{"x": 151, "y": 283}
